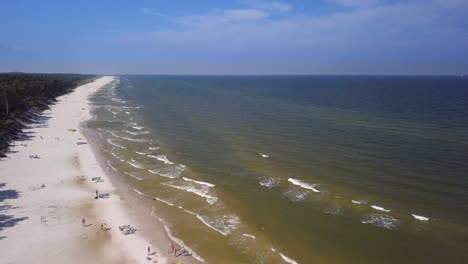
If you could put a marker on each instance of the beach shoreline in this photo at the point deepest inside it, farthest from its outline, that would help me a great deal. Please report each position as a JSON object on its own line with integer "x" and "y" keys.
{"x": 46, "y": 191}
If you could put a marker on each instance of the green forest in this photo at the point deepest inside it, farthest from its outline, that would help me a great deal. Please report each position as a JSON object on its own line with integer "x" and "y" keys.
{"x": 24, "y": 96}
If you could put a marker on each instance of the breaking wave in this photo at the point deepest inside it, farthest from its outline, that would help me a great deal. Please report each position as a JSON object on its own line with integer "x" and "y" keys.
{"x": 288, "y": 259}
{"x": 223, "y": 225}
{"x": 162, "y": 158}
{"x": 175, "y": 239}
{"x": 269, "y": 182}
{"x": 135, "y": 164}
{"x": 303, "y": 184}
{"x": 163, "y": 201}
{"x": 169, "y": 172}
{"x": 199, "y": 182}
{"x": 133, "y": 176}
{"x": 380, "y": 208}
{"x": 380, "y": 220}
{"x": 420, "y": 217}
{"x": 111, "y": 141}
{"x": 200, "y": 192}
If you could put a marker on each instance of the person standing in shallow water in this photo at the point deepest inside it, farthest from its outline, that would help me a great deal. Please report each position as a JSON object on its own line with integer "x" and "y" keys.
{"x": 149, "y": 250}
{"x": 83, "y": 221}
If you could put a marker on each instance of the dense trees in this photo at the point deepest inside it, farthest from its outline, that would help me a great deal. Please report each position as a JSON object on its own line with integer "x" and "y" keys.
{"x": 24, "y": 95}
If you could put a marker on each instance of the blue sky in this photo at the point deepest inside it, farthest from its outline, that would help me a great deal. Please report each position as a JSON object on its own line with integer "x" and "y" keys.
{"x": 235, "y": 37}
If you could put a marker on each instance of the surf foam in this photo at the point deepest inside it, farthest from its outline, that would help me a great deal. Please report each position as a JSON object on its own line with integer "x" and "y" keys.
{"x": 134, "y": 176}
{"x": 380, "y": 220}
{"x": 380, "y": 208}
{"x": 111, "y": 141}
{"x": 269, "y": 182}
{"x": 199, "y": 182}
{"x": 175, "y": 239}
{"x": 420, "y": 217}
{"x": 359, "y": 201}
{"x": 163, "y": 201}
{"x": 200, "y": 192}
{"x": 295, "y": 195}
{"x": 249, "y": 235}
{"x": 303, "y": 184}
{"x": 288, "y": 259}
{"x": 162, "y": 158}
{"x": 223, "y": 225}
{"x": 135, "y": 164}
{"x": 169, "y": 172}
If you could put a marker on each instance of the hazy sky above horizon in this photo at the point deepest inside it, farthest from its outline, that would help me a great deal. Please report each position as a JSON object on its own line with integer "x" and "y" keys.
{"x": 235, "y": 37}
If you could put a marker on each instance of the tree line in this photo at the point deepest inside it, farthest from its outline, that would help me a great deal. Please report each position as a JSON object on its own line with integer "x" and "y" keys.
{"x": 24, "y": 95}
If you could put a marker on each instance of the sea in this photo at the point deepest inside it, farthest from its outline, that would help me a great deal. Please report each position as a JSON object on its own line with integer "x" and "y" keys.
{"x": 296, "y": 169}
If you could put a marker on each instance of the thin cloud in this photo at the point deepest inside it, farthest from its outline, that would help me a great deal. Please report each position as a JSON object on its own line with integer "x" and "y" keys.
{"x": 382, "y": 33}
{"x": 150, "y": 11}
{"x": 357, "y": 3}
{"x": 280, "y": 7}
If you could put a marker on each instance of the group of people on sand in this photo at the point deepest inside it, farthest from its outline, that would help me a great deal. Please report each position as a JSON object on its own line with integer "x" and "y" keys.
{"x": 104, "y": 227}
{"x": 183, "y": 251}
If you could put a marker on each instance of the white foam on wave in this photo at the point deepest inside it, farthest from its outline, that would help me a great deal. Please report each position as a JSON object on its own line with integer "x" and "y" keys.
{"x": 380, "y": 208}
{"x": 380, "y": 220}
{"x": 153, "y": 148}
{"x": 200, "y": 192}
{"x": 140, "y": 193}
{"x": 288, "y": 259}
{"x": 162, "y": 158}
{"x": 188, "y": 211}
{"x": 359, "y": 201}
{"x": 113, "y": 134}
{"x": 199, "y": 182}
{"x": 135, "y": 164}
{"x": 223, "y": 225}
{"x": 110, "y": 166}
{"x": 163, "y": 201}
{"x": 135, "y": 139}
{"x": 264, "y": 155}
{"x": 249, "y": 235}
{"x": 295, "y": 195}
{"x": 111, "y": 141}
{"x": 133, "y": 176}
{"x": 269, "y": 182}
{"x": 169, "y": 172}
{"x": 303, "y": 184}
{"x": 142, "y": 153}
{"x": 273, "y": 249}
{"x": 420, "y": 217}
{"x": 136, "y": 133}
{"x": 175, "y": 239}
{"x": 137, "y": 127}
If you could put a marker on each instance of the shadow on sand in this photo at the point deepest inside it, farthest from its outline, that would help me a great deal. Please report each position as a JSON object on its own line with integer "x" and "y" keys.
{"x": 7, "y": 220}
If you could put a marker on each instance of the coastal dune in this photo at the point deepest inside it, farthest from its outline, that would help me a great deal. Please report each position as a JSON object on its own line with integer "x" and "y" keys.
{"x": 44, "y": 197}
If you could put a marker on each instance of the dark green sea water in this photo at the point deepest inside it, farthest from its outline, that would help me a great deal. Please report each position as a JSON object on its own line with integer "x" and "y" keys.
{"x": 312, "y": 169}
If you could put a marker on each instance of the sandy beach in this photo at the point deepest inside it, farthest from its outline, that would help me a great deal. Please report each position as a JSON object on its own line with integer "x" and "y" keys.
{"x": 46, "y": 189}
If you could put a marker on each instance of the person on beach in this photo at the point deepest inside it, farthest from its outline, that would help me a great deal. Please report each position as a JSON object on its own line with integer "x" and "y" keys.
{"x": 149, "y": 250}
{"x": 83, "y": 221}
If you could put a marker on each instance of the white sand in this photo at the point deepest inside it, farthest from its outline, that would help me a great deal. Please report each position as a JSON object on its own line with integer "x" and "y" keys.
{"x": 66, "y": 170}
